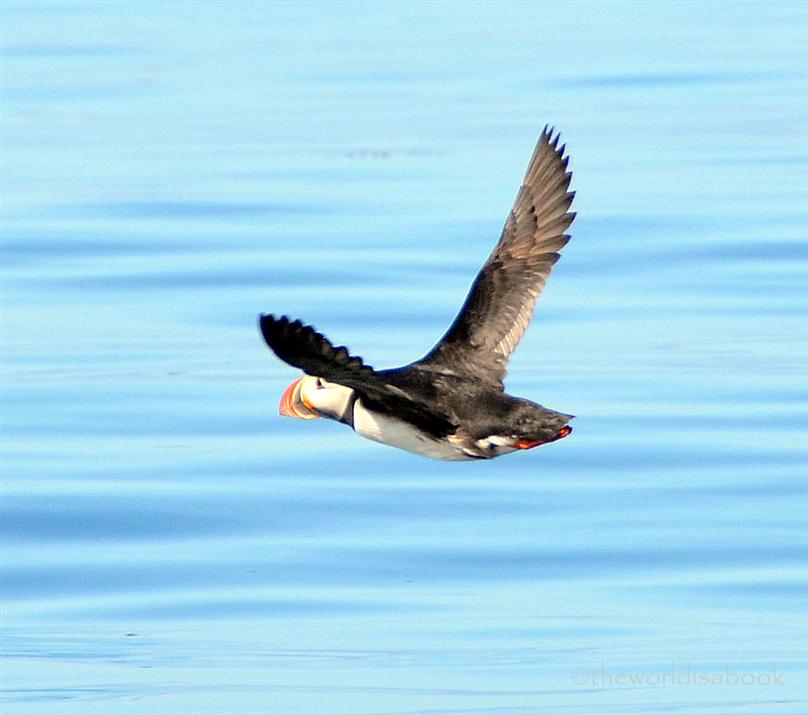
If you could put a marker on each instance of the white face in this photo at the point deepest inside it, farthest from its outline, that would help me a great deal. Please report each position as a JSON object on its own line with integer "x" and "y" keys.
{"x": 310, "y": 397}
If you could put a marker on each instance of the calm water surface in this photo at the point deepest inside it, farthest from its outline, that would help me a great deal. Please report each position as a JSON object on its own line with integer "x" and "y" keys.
{"x": 171, "y": 170}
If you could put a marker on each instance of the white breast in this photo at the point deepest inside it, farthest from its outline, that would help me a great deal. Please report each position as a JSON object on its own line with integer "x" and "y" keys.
{"x": 396, "y": 433}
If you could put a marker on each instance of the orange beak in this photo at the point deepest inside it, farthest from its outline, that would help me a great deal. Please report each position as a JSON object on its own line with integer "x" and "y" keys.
{"x": 293, "y": 403}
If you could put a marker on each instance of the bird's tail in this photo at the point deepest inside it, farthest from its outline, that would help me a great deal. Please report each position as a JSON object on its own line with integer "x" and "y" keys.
{"x": 548, "y": 426}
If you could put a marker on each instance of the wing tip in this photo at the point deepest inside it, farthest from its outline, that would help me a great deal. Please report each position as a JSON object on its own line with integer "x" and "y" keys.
{"x": 551, "y": 136}
{"x": 271, "y": 327}
{"x": 267, "y": 323}
{"x": 547, "y": 155}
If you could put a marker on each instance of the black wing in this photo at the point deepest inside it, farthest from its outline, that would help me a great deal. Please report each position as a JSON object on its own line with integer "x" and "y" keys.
{"x": 500, "y": 304}
{"x": 303, "y": 347}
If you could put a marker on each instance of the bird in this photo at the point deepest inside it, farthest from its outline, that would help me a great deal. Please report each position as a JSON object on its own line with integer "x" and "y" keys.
{"x": 450, "y": 404}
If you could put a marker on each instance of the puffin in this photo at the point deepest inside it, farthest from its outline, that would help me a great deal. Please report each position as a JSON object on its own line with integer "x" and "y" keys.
{"x": 450, "y": 404}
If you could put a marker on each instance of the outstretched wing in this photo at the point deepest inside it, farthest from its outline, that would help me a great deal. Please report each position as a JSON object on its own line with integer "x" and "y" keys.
{"x": 500, "y": 304}
{"x": 303, "y": 347}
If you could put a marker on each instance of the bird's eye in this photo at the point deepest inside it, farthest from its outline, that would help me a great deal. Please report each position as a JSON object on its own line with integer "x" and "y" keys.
{"x": 319, "y": 384}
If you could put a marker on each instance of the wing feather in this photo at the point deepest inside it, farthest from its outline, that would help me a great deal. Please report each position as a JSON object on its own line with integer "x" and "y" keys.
{"x": 501, "y": 300}
{"x": 303, "y": 347}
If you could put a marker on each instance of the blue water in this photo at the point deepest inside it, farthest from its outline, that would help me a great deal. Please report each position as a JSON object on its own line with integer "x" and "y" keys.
{"x": 170, "y": 544}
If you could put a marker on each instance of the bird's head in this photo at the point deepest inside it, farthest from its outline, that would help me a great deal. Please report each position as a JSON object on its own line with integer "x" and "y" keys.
{"x": 310, "y": 397}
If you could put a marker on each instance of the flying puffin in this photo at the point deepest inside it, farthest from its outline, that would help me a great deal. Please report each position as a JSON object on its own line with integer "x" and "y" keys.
{"x": 451, "y": 404}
